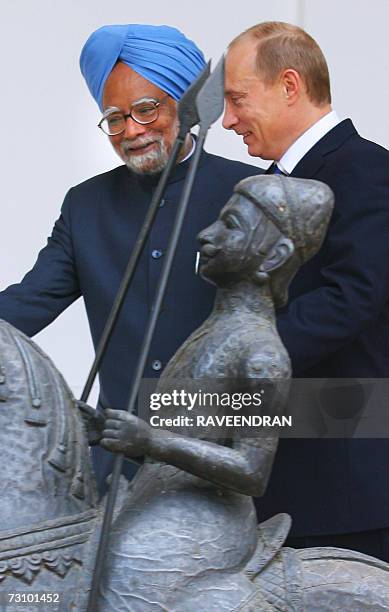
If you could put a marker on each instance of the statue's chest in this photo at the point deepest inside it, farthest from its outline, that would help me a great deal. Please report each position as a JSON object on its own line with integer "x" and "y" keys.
{"x": 211, "y": 352}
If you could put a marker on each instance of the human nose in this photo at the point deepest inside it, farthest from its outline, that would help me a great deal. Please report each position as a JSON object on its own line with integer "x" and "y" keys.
{"x": 229, "y": 118}
{"x": 133, "y": 129}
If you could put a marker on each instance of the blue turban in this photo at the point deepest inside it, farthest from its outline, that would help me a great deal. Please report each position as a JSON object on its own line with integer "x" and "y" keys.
{"x": 160, "y": 54}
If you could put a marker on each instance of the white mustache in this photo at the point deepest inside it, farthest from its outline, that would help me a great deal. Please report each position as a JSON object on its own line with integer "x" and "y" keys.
{"x": 129, "y": 145}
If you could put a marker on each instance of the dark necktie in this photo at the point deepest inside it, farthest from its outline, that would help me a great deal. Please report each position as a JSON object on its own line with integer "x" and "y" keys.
{"x": 274, "y": 169}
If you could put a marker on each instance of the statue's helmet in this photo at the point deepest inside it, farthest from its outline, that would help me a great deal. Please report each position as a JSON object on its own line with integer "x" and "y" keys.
{"x": 299, "y": 208}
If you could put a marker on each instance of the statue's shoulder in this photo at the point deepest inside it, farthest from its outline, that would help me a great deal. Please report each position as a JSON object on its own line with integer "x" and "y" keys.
{"x": 265, "y": 356}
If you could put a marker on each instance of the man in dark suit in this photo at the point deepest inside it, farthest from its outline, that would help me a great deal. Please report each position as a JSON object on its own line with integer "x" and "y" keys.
{"x": 337, "y": 322}
{"x": 136, "y": 73}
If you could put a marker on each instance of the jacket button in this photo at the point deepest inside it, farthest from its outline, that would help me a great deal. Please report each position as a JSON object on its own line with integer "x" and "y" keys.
{"x": 156, "y": 365}
{"x": 156, "y": 253}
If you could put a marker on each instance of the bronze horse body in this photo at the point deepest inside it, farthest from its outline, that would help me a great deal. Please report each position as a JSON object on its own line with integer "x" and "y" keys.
{"x": 185, "y": 535}
{"x": 48, "y": 502}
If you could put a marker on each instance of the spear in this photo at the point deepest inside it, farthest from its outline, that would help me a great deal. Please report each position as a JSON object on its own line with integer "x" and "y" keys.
{"x": 209, "y": 106}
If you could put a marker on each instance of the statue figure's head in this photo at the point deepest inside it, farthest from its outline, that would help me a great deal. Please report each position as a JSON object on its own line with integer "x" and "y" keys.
{"x": 270, "y": 226}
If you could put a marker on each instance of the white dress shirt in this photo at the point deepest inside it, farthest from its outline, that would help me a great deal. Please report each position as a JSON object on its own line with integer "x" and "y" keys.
{"x": 191, "y": 151}
{"x": 306, "y": 141}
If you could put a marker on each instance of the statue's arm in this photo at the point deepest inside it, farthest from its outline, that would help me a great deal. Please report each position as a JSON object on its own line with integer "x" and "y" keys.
{"x": 245, "y": 467}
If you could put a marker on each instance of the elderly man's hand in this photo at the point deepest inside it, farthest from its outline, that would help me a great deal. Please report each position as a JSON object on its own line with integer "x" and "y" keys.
{"x": 125, "y": 433}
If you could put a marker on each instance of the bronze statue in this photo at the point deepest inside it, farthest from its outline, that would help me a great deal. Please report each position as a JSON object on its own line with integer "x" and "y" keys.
{"x": 48, "y": 499}
{"x": 185, "y": 536}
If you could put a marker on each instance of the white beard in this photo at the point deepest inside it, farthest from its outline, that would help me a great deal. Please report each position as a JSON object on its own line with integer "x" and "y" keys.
{"x": 149, "y": 163}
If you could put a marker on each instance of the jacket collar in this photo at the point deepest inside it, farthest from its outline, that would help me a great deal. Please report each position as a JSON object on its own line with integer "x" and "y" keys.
{"x": 313, "y": 160}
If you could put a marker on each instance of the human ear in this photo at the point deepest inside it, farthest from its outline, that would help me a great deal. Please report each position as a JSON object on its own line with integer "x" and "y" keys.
{"x": 291, "y": 82}
{"x": 279, "y": 253}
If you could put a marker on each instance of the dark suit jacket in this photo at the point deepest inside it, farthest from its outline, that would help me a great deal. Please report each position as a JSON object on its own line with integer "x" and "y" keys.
{"x": 86, "y": 256}
{"x": 337, "y": 326}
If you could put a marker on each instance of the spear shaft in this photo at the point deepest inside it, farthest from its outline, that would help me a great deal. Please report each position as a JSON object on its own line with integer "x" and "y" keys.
{"x": 146, "y": 343}
{"x": 188, "y": 116}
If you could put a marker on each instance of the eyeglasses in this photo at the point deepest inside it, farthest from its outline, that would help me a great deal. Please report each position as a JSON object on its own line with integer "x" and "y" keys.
{"x": 143, "y": 111}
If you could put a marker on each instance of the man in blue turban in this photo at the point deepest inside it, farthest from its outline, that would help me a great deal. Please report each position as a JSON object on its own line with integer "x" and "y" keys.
{"x": 136, "y": 74}
{"x": 142, "y": 70}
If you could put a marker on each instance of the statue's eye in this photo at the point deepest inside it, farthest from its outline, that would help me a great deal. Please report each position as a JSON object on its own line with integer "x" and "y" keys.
{"x": 230, "y": 222}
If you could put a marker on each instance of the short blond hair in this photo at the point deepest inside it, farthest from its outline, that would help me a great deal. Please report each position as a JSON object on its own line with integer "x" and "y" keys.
{"x": 282, "y": 46}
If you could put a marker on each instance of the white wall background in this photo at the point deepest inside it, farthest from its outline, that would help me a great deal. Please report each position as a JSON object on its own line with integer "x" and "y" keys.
{"x": 40, "y": 44}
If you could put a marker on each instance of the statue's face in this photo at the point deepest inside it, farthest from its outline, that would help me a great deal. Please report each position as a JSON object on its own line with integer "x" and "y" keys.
{"x": 233, "y": 247}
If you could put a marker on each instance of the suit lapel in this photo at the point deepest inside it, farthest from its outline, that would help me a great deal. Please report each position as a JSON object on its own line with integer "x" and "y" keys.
{"x": 314, "y": 159}
{"x": 309, "y": 165}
